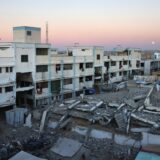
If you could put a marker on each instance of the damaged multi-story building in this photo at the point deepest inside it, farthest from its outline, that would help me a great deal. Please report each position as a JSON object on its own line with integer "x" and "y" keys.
{"x": 35, "y": 74}
{"x": 150, "y": 65}
{"x": 121, "y": 64}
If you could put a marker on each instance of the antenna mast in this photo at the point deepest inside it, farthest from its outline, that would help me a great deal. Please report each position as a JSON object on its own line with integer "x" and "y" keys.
{"x": 46, "y": 32}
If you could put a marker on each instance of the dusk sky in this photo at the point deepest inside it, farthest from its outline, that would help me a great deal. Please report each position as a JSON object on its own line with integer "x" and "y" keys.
{"x": 129, "y": 23}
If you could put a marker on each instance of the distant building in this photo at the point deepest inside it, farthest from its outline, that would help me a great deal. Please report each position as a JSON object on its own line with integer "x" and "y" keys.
{"x": 151, "y": 66}
{"x": 121, "y": 65}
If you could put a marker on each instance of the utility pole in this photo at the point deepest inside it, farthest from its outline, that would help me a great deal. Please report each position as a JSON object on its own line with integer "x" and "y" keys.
{"x": 46, "y": 32}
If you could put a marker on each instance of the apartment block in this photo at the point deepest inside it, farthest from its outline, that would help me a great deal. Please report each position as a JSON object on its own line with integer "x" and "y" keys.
{"x": 36, "y": 74}
{"x": 151, "y": 66}
{"x": 7, "y": 76}
{"x": 121, "y": 64}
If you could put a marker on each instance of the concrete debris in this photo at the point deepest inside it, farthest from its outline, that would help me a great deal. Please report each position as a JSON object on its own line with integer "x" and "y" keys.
{"x": 113, "y": 105}
{"x": 121, "y": 120}
{"x": 61, "y": 105}
{"x": 131, "y": 103}
{"x": 152, "y": 108}
{"x": 74, "y": 104}
{"x": 139, "y": 97}
{"x": 154, "y": 124}
{"x": 36, "y": 115}
{"x": 97, "y": 105}
{"x": 28, "y": 121}
{"x": 65, "y": 123}
{"x": 25, "y": 156}
{"x": 110, "y": 125}
{"x": 66, "y": 147}
{"x": 43, "y": 120}
{"x": 52, "y": 125}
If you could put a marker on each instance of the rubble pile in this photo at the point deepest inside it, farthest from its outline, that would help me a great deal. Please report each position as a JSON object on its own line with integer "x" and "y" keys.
{"x": 155, "y": 98}
{"x": 114, "y": 151}
{"x": 112, "y": 125}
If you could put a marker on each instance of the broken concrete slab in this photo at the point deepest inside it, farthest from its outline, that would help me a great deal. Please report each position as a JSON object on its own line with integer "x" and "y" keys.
{"x": 52, "y": 125}
{"x": 152, "y": 108}
{"x": 43, "y": 120}
{"x": 112, "y": 104}
{"x": 65, "y": 123}
{"x": 97, "y": 105}
{"x": 25, "y": 156}
{"x": 66, "y": 147}
{"x": 37, "y": 114}
{"x": 71, "y": 101}
{"x": 121, "y": 120}
{"x": 142, "y": 129}
{"x": 131, "y": 103}
{"x": 139, "y": 97}
{"x": 154, "y": 124}
{"x": 74, "y": 104}
{"x": 28, "y": 122}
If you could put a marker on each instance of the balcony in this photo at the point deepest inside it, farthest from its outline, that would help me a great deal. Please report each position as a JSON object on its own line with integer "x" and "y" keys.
{"x": 97, "y": 75}
{"x": 24, "y": 86}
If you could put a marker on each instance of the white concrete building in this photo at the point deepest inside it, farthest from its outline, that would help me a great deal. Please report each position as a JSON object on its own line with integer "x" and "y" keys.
{"x": 121, "y": 65}
{"x": 7, "y": 76}
{"x": 39, "y": 75}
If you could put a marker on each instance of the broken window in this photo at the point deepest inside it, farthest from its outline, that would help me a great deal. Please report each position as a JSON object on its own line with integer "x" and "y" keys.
{"x": 67, "y": 81}
{"x": 7, "y": 69}
{"x": 80, "y": 79}
{"x": 40, "y": 86}
{"x": 142, "y": 64}
{"x": 9, "y": 89}
{"x": 29, "y": 33}
{"x": 81, "y": 67}
{"x": 67, "y": 66}
{"x": 130, "y": 64}
{"x": 11, "y": 69}
{"x": 120, "y": 73}
{"x": 67, "y": 95}
{"x": 24, "y": 58}
{"x": 0, "y": 90}
{"x": 113, "y": 63}
{"x": 124, "y": 62}
{"x": 55, "y": 86}
{"x": 58, "y": 67}
{"x": 113, "y": 74}
{"x": 42, "y": 68}
{"x": 88, "y": 78}
{"x": 137, "y": 64}
{"x": 89, "y": 65}
{"x": 120, "y": 64}
{"x": 98, "y": 57}
{"x": 41, "y": 51}
{"x": 70, "y": 53}
{"x": 125, "y": 73}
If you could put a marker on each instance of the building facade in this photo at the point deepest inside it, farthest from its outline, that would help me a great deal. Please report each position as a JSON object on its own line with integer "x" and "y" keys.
{"x": 151, "y": 66}
{"x": 36, "y": 74}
